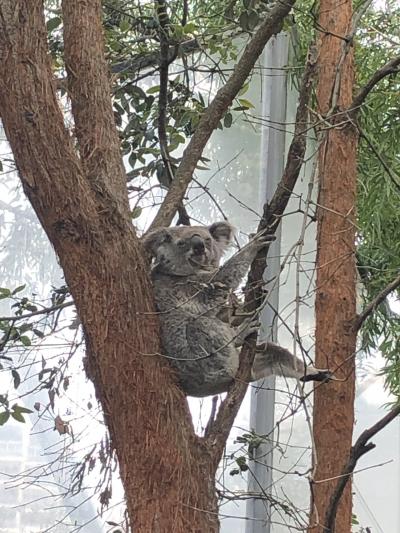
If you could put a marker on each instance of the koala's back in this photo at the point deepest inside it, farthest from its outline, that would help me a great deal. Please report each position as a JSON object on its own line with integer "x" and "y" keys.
{"x": 200, "y": 346}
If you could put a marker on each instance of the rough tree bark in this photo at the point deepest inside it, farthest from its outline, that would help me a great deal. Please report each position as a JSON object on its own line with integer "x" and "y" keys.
{"x": 165, "y": 469}
{"x": 81, "y": 201}
{"x": 336, "y": 272}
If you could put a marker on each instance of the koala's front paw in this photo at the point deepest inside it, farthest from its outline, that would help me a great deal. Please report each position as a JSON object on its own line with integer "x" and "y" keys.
{"x": 261, "y": 239}
{"x": 247, "y": 327}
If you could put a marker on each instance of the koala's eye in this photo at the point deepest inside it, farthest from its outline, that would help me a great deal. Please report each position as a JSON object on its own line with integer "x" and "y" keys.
{"x": 167, "y": 238}
{"x": 208, "y": 240}
{"x": 180, "y": 243}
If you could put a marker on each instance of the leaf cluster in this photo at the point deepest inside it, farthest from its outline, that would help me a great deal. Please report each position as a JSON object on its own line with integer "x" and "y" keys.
{"x": 378, "y": 250}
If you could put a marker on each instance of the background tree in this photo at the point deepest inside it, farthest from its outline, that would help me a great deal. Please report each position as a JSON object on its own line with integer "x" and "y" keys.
{"x": 336, "y": 268}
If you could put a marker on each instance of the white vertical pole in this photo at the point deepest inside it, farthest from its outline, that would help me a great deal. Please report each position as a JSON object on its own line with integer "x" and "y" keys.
{"x": 272, "y": 165}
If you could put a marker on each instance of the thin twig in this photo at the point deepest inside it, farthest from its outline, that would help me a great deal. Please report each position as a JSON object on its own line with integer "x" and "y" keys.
{"x": 271, "y": 218}
{"x": 44, "y": 311}
{"x": 379, "y": 298}
{"x": 212, "y": 416}
{"x": 185, "y": 13}
{"x": 360, "y": 448}
{"x": 347, "y": 43}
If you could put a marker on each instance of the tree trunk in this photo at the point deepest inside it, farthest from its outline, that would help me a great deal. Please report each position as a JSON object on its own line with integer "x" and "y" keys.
{"x": 167, "y": 472}
{"x": 336, "y": 272}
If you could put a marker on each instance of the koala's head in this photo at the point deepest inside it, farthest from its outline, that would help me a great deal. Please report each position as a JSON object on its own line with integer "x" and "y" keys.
{"x": 183, "y": 250}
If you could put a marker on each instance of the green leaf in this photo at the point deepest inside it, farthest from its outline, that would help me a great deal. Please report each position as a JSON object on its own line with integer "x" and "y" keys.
{"x": 177, "y": 30}
{"x": 4, "y": 293}
{"x": 124, "y": 25}
{"x": 191, "y": 27}
{"x": 242, "y": 463}
{"x": 20, "y": 409}
{"x": 245, "y": 103}
{"x": 16, "y": 378}
{"x": 153, "y": 90}
{"x": 53, "y": 23}
{"x": 177, "y": 138}
{"x": 132, "y": 159}
{"x": 18, "y": 289}
{"x": 136, "y": 212}
{"x": 18, "y": 416}
{"x": 26, "y": 341}
{"x": 228, "y": 120}
{"x": 4, "y": 416}
{"x": 244, "y": 89}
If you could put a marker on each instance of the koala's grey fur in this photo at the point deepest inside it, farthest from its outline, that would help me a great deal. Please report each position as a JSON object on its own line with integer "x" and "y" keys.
{"x": 191, "y": 292}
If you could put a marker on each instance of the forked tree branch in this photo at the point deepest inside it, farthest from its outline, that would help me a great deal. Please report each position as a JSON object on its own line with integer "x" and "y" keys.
{"x": 216, "y": 110}
{"x": 361, "y": 447}
{"x": 391, "y": 67}
{"x": 219, "y": 430}
{"x": 379, "y": 298}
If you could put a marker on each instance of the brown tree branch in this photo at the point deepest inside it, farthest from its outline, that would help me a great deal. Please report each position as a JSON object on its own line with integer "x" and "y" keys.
{"x": 379, "y": 298}
{"x": 185, "y": 13}
{"x": 161, "y": 8}
{"x": 391, "y": 67}
{"x": 152, "y": 59}
{"x": 219, "y": 430}
{"x": 216, "y": 110}
{"x": 145, "y": 62}
{"x": 89, "y": 89}
{"x": 361, "y": 447}
{"x": 44, "y": 311}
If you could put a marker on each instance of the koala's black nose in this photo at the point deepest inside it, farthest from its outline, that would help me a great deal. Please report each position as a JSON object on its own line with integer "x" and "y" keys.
{"x": 197, "y": 245}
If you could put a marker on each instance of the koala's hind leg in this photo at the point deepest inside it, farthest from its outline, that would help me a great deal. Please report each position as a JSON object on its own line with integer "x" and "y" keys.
{"x": 272, "y": 359}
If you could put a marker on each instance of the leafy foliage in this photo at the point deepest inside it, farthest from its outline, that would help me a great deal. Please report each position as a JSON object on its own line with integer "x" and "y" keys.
{"x": 379, "y": 187}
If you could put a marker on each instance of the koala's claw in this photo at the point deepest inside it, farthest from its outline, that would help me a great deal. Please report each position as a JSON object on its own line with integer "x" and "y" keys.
{"x": 262, "y": 238}
{"x": 246, "y": 328}
{"x": 320, "y": 375}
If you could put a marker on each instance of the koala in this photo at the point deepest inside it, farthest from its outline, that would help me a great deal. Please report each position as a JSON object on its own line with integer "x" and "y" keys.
{"x": 192, "y": 291}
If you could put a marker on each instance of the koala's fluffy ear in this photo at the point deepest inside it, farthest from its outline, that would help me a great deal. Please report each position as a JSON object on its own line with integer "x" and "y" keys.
{"x": 222, "y": 232}
{"x": 152, "y": 240}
